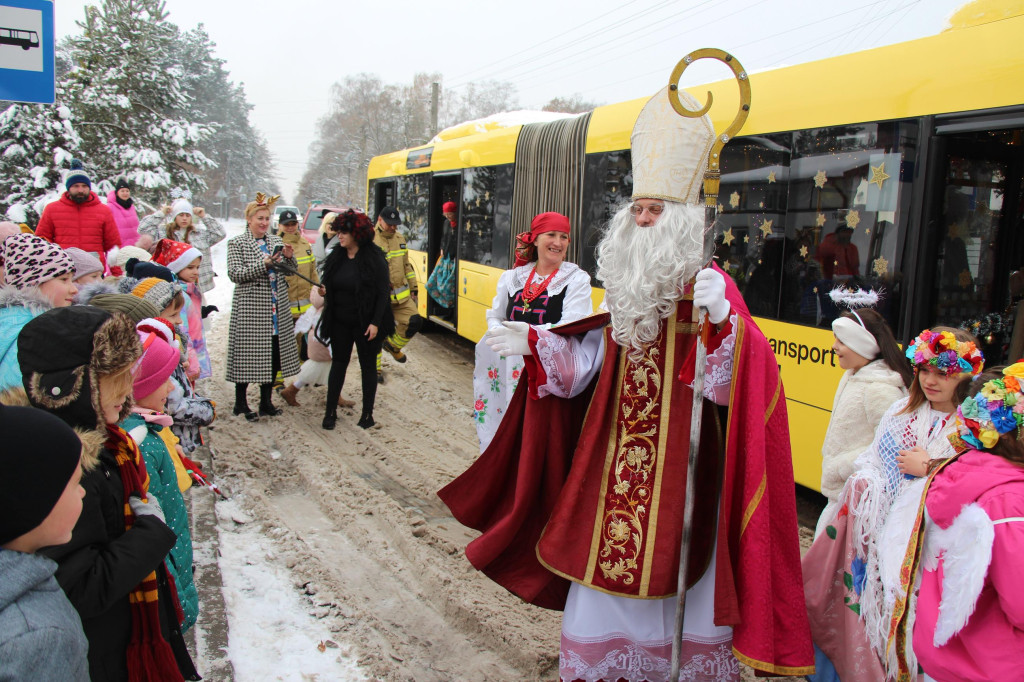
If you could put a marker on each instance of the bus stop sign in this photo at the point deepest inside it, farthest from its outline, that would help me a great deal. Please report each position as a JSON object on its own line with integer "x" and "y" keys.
{"x": 26, "y": 51}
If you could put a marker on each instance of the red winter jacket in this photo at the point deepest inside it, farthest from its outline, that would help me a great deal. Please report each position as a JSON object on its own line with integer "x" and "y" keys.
{"x": 89, "y": 226}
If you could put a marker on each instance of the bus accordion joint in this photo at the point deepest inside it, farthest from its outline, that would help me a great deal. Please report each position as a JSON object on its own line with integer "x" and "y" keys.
{"x": 712, "y": 175}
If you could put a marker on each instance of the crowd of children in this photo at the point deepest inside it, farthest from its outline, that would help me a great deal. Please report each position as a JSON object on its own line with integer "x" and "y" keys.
{"x": 99, "y": 415}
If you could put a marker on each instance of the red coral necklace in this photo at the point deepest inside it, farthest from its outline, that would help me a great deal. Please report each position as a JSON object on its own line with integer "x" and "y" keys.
{"x": 531, "y": 291}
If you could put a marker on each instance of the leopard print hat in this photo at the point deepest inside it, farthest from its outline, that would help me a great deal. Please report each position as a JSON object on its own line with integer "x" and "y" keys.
{"x": 30, "y": 261}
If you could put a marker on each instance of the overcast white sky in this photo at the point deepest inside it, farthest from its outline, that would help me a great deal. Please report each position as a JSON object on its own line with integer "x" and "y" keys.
{"x": 289, "y": 53}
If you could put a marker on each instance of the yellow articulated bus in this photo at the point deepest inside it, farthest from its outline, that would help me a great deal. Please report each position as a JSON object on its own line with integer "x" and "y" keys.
{"x": 899, "y": 169}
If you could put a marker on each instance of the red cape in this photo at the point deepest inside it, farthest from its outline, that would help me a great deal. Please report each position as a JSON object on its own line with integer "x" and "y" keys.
{"x": 510, "y": 491}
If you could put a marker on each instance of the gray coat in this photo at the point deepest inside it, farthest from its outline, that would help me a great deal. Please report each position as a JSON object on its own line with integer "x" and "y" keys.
{"x": 41, "y": 635}
{"x": 251, "y": 328}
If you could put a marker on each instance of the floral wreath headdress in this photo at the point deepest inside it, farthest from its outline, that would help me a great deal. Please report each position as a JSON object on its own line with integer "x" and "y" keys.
{"x": 997, "y": 408}
{"x": 942, "y": 351}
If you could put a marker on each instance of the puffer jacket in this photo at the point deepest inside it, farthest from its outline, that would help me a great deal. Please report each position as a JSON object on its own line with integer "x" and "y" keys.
{"x": 969, "y": 623}
{"x": 17, "y": 307}
{"x": 163, "y": 482}
{"x": 207, "y": 232}
{"x": 36, "y": 621}
{"x": 126, "y": 219}
{"x": 189, "y": 411}
{"x": 89, "y": 226}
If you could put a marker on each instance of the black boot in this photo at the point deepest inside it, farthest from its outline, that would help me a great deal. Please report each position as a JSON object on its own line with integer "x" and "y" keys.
{"x": 366, "y": 421}
{"x": 242, "y": 404}
{"x": 330, "y": 419}
{"x": 267, "y": 408}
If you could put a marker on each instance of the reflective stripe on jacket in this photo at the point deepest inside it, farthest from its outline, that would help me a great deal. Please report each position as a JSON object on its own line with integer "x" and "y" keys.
{"x": 403, "y": 277}
{"x": 298, "y": 288}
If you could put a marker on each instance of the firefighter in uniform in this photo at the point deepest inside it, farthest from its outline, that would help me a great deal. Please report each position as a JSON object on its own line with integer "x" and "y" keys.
{"x": 403, "y": 285}
{"x": 298, "y": 288}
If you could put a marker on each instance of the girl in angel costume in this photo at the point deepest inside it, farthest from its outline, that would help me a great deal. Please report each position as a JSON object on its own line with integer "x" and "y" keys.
{"x": 852, "y": 571}
{"x": 876, "y": 376}
{"x": 969, "y": 621}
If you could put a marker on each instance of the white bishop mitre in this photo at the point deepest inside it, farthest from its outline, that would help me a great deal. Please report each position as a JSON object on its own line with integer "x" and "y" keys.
{"x": 669, "y": 151}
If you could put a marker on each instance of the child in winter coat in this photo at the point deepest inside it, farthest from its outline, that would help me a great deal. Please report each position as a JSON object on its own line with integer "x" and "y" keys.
{"x": 184, "y": 261}
{"x": 77, "y": 364}
{"x": 315, "y": 370}
{"x": 149, "y": 427}
{"x": 876, "y": 376}
{"x": 852, "y": 571}
{"x": 38, "y": 277}
{"x": 88, "y": 268}
{"x": 969, "y": 624}
{"x": 41, "y": 634}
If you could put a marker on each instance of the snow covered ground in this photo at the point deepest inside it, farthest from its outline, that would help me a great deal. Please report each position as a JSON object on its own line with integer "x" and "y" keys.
{"x": 272, "y": 632}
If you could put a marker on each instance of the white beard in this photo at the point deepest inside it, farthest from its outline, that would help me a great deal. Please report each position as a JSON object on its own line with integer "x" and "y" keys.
{"x": 644, "y": 270}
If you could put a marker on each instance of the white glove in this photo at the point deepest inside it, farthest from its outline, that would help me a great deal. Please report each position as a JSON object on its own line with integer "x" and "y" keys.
{"x": 511, "y": 338}
{"x": 149, "y": 508}
{"x": 709, "y": 293}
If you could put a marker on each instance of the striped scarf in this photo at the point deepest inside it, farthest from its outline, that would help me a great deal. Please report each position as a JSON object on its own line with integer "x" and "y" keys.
{"x": 150, "y": 658}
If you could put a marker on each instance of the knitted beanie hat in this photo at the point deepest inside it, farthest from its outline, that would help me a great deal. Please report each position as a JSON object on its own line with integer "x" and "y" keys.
{"x": 159, "y": 358}
{"x": 143, "y": 269}
{"x": 76, "y": 174}
{"x": 119, "y": 255}
{"x": 134, "y": 307}
{"x": 30, "y": 260}
{"x": 175, "y": 255}
{"x": 122, "y": 183}
{"x": 155, "y": 290}
{"x": 178, "y": 207}
{"x": 85, "y": 262}
{"x": 38, "y": 455}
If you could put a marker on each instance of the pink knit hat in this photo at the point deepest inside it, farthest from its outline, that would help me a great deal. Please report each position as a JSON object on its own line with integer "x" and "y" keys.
{"x": 159, "y": 357}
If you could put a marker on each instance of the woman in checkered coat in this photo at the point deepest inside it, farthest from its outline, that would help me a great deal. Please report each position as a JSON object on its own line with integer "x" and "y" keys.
{"x": 260, "y": 314}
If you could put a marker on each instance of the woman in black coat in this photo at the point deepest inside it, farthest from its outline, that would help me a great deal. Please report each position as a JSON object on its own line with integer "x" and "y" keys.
{"x": 357, "y": 310}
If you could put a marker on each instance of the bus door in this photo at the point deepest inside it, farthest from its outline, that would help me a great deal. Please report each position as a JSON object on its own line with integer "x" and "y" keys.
{"x": 383, "y": 195}
{"x": 443, "y": 248}
{"x": 974, "y": 258}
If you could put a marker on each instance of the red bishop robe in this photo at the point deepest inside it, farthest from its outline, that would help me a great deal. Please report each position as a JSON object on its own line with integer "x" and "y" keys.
{"x": 610, "y": 515}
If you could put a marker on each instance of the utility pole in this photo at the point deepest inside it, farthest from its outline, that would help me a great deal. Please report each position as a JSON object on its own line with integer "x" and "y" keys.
{"x": 435, "y": 95}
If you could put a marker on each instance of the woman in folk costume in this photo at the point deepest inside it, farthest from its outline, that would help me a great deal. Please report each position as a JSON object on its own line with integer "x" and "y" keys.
{"x": 876, "y": 376}
{"x": 77, "y": 364}
{"x": 441, "y": 282}
{"x": 260, "y": 337}
{"x": 542, "y": 289}
{"x": 852, "y": 571}
{"x": 968, "y": 625}
{"x": 580, "y": 495}
{"x": 178, "y": 223}
{"x": 185, "y": 261}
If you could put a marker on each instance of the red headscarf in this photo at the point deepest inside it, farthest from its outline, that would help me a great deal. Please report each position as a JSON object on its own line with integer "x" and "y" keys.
{"x": 448, "y": 207}
{"x": 544, "y": 222}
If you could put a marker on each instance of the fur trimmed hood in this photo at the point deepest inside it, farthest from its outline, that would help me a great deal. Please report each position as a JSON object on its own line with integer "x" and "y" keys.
{"x": 29, "y": 297}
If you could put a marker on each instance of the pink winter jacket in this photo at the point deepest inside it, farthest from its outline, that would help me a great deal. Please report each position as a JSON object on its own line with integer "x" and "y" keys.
{"x": 126, "y": 219}
{"x": 990, "y": 646}
{"x": 89, "y": 226}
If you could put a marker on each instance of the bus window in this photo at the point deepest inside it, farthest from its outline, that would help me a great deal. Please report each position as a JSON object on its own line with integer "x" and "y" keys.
{"x": 846, "y": 210}
{"x": 750, "y": 234}
{"x": 480, "y": 240}
{"x": 978, "y": 239}
{"x": 607, "y": 184}
{"x": 414, "y": 206}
